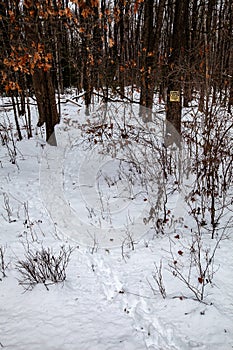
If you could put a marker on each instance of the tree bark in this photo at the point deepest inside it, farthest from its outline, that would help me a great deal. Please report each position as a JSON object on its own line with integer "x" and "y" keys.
{"x": 147, "y": 66}
{"x": 173, "y": 110}
{"x": 37, "y": 33}
{"x": 46, "y": 102}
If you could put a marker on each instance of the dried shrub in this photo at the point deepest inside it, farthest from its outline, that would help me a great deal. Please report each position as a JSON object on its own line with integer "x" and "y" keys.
{"x": 43, "y": 266}
{"x": 3, "y": 265}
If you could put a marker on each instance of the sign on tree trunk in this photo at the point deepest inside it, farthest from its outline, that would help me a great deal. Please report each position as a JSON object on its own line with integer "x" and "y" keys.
{"x": 174, "y": 96}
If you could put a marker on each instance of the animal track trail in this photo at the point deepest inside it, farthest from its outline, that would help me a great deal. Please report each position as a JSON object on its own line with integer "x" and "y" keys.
{"x": 156, "y": 334}
{"x": 108, "y": 280}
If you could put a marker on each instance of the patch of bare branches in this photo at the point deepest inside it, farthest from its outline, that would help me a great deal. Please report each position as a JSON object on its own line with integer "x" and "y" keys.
{"x": 43, "y": 266}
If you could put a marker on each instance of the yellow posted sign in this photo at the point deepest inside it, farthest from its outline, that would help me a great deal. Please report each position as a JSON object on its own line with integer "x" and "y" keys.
{"x": 174, "y": 96}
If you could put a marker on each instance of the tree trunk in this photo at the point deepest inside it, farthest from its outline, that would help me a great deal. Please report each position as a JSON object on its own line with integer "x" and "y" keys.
{"x": 173, "y": 113}
{"x": 147, "y": 87}
{"x": 46, "y": 102}
{"x": 38, "y": 34}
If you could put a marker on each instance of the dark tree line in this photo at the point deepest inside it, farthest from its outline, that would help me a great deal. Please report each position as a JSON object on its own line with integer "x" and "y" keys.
{"x": 173, "y": 47}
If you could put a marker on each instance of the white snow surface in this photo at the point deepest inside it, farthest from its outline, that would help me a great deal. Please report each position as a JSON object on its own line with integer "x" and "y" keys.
{"x": 106, "y": 301}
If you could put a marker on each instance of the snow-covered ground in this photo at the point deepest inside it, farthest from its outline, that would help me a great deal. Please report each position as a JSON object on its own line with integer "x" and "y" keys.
{"x": 73, "y": 196}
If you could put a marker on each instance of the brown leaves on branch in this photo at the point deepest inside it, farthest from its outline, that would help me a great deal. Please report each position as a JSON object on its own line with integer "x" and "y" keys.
{"x": 86, "y": 12}
{"x": 11, "y": 15}
{"x": 136, "y": 5}
{"x": 27, "y": 62}
{"x": 12, "y": 86}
